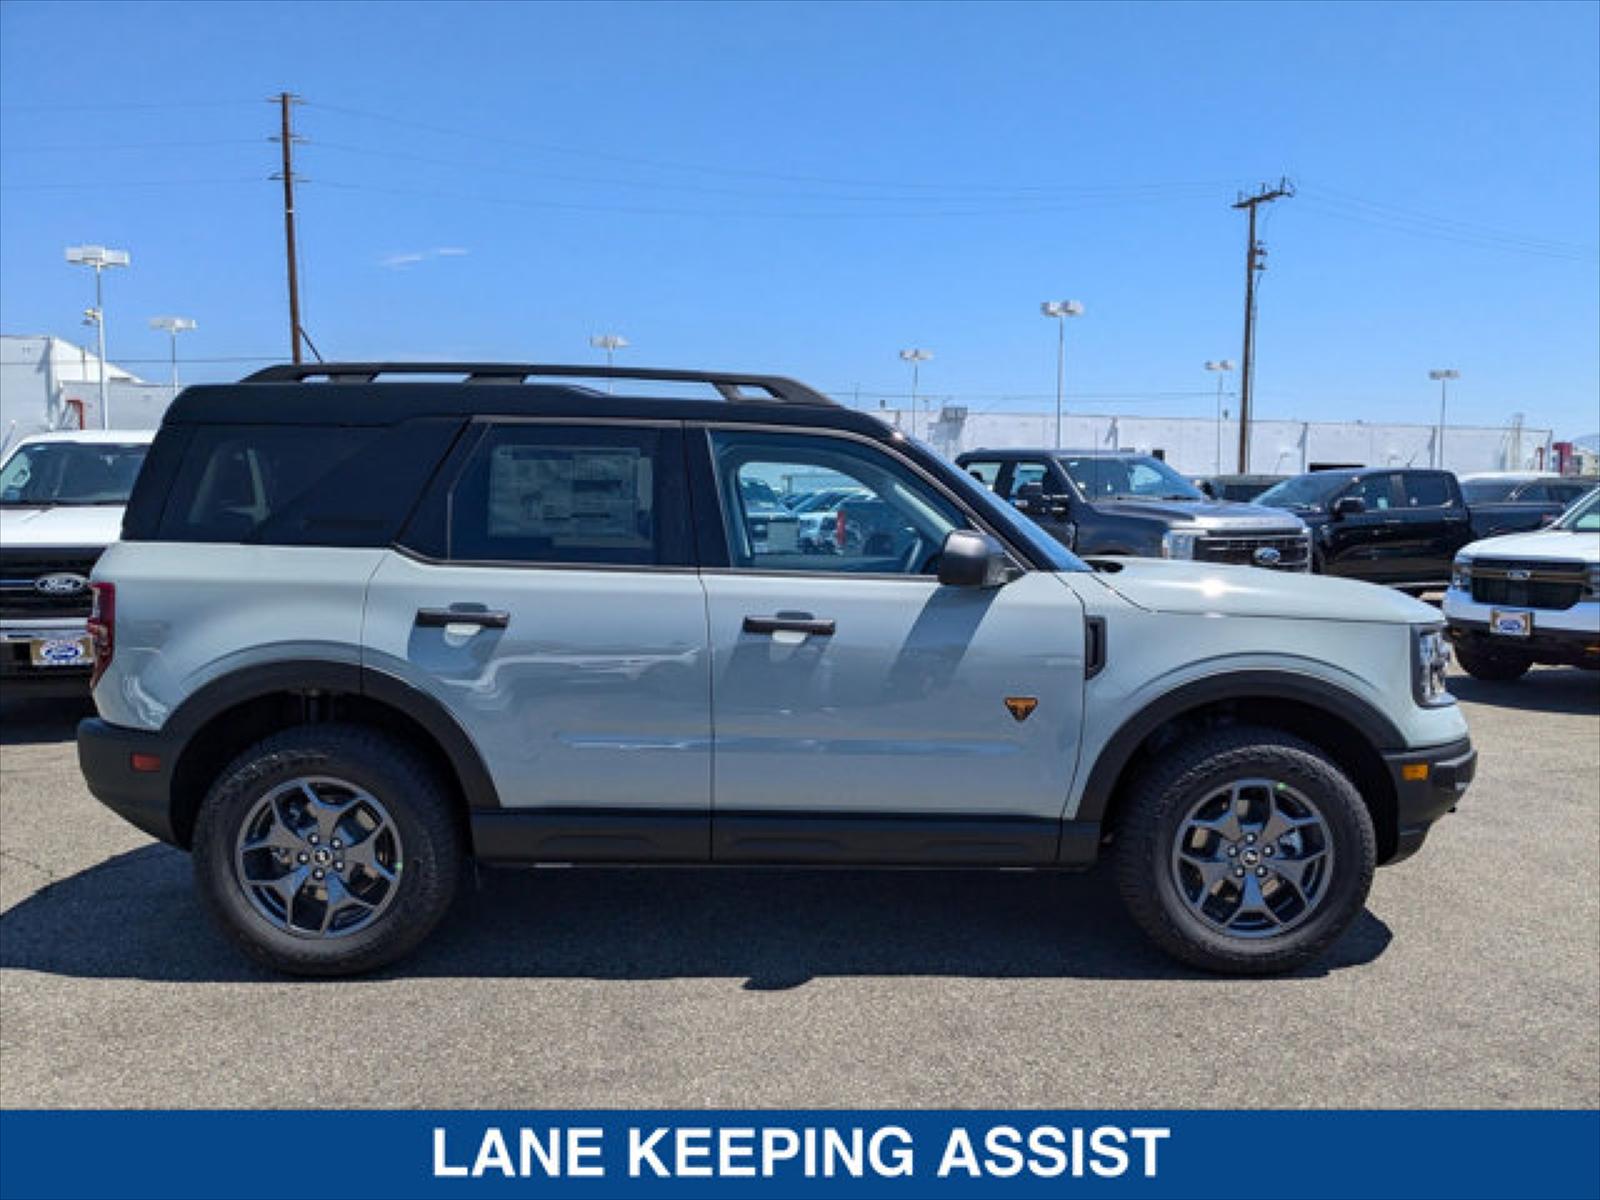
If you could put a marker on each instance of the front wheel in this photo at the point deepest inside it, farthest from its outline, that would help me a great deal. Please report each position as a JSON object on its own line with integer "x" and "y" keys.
{"x": 1245, "y": 851}
{"x": 327, "y": 850}
{"x": 1492, "y": 666}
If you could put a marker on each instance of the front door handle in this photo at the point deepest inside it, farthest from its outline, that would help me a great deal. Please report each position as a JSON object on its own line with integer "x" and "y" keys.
{"x": 822, "y": 627}
{"x": 435, "y": 618}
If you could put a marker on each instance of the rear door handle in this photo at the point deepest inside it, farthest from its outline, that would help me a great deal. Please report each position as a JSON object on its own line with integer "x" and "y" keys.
{"x": 821, "y": 627}
{"x": 435, "y": 618}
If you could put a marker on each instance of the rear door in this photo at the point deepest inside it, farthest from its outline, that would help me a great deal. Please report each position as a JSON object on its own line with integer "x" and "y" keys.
{"x": 1435, "y": 525}
{"x": 862, "y": 711}
{"x": 548, "y": 598}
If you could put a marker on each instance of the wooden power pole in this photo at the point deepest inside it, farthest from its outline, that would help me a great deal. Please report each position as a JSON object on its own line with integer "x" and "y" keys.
{"x": 286, "y": 101}
{"x": 1254, "y": 263}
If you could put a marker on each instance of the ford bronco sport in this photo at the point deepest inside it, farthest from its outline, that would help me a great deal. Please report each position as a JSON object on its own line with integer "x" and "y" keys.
{"x": 360, "y": 631}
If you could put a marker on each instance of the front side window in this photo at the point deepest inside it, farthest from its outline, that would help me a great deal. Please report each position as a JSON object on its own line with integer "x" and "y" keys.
{"x": 569, "y": 495}
{"x": 1025, "y": 473}
{"x": 1489, "y": 491}
{"x": 1374, "y": 491}
{"x": 47, "y": 473}
{"x": 889, "y": 521}
{"x": 985, "y": 472}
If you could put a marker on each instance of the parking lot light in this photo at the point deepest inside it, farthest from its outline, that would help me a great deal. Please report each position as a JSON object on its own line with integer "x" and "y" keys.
{"x": 173, "y": 327}
{"x": 1060, "y": 310}
{"x": 99, "y": 257}
{"x": 1444, "y": 375}
{"x": 916, "y": 358}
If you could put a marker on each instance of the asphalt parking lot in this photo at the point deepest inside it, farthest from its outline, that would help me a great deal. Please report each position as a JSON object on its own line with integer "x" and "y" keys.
{"x": 1473, "y": 979}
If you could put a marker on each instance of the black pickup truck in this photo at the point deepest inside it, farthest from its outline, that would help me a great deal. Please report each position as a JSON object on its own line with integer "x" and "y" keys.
{"x": 1396, "y": 525}
{"x": 1115, "y": 502}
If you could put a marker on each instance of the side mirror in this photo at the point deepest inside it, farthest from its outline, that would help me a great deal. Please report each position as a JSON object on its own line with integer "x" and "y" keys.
{"x": 1348, "y": 506}
{"x": 971, "y": 559}
{"x": 1207, "y": 489}
{"x": 1031, "y": 499}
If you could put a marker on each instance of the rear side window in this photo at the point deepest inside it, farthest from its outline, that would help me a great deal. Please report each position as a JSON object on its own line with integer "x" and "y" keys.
{"x": 302, "y": 485}
{"x": 571, "y": 495}
{"x": 1426, "y": 491}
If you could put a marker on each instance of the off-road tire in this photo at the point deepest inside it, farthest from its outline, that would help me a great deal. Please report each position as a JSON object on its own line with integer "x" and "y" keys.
{"x": 416, "y": 799}
{"x": 1177, "y": 778}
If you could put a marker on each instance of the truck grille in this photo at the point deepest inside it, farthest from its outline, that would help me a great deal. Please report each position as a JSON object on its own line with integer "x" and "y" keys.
{"x": 1294, "y": 550}
{"x": 1538, "y": 584}
{"x": 20, "y": 571}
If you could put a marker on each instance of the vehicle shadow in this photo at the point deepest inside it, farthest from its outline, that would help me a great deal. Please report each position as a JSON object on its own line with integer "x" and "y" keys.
{"x": 31, "y": 721}
{"x": 1562, "y": 690}
{"x": 136, "y": 916}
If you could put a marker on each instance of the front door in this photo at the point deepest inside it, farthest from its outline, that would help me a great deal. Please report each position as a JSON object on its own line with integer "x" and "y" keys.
{"x": 1368, "y": 545}
{"x": 862, "y": 711}
{"x": 552, "y": 606}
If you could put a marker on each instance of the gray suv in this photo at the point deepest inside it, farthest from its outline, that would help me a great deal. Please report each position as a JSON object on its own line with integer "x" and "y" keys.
{"x": 369, "y": 622}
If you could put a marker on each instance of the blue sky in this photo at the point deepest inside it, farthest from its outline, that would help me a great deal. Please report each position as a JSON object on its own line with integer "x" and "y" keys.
{"x": 808, "y": 189}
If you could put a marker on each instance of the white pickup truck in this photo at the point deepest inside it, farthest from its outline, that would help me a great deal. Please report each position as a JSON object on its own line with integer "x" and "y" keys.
{"x": 1528, "y": 598}
{"x": 61, "y": 502}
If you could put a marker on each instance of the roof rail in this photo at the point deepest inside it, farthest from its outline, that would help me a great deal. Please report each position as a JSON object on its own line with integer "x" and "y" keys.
{"x": 730, "y": 386}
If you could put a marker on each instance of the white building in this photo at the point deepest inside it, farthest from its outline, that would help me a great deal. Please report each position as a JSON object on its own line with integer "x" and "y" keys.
{"x": 1205, "y": 446}
{"x": 49, "y": 383}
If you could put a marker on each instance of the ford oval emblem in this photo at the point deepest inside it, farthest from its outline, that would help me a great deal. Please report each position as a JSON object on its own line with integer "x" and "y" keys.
{"x": 1519, "y": 575}
{"x": 1267, "y": 556}
{"x": 61, "y": 584}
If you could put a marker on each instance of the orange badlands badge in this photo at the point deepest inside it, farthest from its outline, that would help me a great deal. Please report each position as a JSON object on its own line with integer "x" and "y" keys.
{"x": 1021, "y": 707}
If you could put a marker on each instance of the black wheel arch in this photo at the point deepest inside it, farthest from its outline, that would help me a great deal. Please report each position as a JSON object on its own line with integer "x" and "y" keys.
{"x": 230, "y": 713}
{"x": 1343, "y": 725}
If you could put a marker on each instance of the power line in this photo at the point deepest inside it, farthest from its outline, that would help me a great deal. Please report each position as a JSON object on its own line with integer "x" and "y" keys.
{"x": 703, "y": 168}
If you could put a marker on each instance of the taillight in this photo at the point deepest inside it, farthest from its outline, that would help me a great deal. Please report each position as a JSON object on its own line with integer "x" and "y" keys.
{"x": 102, "y": 627}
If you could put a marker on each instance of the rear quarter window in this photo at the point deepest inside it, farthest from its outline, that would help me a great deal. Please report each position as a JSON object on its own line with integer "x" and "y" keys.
{"x": 301, "y": 485}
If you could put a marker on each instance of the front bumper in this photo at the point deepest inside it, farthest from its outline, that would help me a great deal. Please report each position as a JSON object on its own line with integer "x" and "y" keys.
{"x": 143, "y": 798}
{"x": 1558, "y": 647}
{"x": 1427, "y": 785}
{"x": 16, "y": 656}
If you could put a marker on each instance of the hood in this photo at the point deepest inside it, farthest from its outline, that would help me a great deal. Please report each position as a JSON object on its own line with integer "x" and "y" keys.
{"x": 1215, "y": 589}
{"x": 1543, "y": 543}
{"x": 89, "y": 525}
{"x": 1211, "y": 514}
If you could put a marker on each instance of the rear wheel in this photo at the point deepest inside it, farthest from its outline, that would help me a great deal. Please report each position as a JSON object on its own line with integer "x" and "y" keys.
{"x": 327, "y": 850}
{"x": 1492, "y": 665}
{"x": 1245, "y": 851}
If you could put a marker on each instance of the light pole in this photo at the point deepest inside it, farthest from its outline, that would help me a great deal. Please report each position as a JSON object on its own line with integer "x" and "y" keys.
{"x": 610, "y": 343}
{"x": 1060, "y": 310}
{"x": 173, "y": 327}
{"x": 1219, "y": 366}
{"x": 99, "y": 258}
{"x": 1444, "y": 376}
{"x": 916, "y": 358}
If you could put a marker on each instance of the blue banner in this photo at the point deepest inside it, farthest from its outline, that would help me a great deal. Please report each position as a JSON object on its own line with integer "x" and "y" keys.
{"x": 396, "y": 1155}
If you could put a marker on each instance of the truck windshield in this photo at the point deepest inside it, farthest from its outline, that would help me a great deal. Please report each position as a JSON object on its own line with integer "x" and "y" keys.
{"x": 1583, "y": 516}
{"x": 1488, "y": 491}
{"x": 1303, "y": 491}
{"x": 1128, "y": 478}
{"x": 50, "y": 473}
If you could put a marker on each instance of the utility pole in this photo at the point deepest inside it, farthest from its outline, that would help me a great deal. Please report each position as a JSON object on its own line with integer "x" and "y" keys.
{"x": 286, "y": 100}
{"x": 1254, "y": 263}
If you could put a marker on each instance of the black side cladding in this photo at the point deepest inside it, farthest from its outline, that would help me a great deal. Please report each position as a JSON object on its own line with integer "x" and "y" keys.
{"x": 286, "y": 485}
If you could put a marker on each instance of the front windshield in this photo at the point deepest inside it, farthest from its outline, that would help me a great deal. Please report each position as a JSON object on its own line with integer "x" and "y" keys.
{"x": 1303, "y": 491}
{"x": 1040, "y": 544}
{"x": 1488, "y": 491}
{"x": 47, "y": 473}
{"x": 1128, "y": 478}
{"x": 1583, "y": 516}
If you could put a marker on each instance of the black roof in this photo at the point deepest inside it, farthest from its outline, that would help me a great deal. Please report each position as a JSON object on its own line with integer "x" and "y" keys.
{"x": 367, "y": 394}
{"x": 1041, "y": 452}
